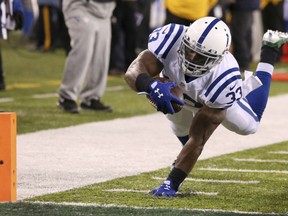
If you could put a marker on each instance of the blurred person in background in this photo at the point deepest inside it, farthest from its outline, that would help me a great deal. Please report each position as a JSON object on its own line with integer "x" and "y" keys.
{"x": 87, "y": 64}
{"x": 63, "y": 33}
{"x": 123, "y": 45}
{"x": 186, "y": 12}
{"x": 11, "y": 19}
{"x": 47, "y": 25}
{"x": 143, "y": 21}
{"x": 241, "y": 30}
{"x": 272, "y": 12}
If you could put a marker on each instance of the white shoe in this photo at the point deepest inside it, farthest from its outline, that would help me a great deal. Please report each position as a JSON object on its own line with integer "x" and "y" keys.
{"x": 275, "y": 38}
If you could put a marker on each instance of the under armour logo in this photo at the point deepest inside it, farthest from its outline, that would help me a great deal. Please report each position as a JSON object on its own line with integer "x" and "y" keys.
{"x": 167, "y": 185}
{"x": 159, "y": 94}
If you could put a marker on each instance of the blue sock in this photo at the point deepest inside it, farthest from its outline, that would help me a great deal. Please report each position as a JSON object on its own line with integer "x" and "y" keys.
{"x": 259, "y": 97}
{"x": 183, "y": 139}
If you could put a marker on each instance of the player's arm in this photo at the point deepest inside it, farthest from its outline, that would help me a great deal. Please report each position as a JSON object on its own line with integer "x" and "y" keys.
{"x": 140, "y": 77}
{"x": 145, "y": 63}
{"x": 203, "y": 125}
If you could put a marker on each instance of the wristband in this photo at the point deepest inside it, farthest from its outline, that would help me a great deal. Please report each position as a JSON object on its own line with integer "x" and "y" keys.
{"x": 143, "y": 82}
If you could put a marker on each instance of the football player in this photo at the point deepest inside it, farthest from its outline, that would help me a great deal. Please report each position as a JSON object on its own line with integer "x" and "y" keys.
{"x": 197, "y": 59}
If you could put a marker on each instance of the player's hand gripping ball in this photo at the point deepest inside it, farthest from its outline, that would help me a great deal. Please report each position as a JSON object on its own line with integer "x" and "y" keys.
{"x": 166, "y": 96}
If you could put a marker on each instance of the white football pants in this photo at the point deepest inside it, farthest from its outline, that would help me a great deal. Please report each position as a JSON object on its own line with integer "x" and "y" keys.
{"x": 240, "y": 119}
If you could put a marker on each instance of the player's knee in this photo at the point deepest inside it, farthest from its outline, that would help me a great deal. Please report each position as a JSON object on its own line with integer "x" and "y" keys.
{"x": 250, "y": 129}
{"x": 247, "y": 131}
{"x": 245, "y": 128}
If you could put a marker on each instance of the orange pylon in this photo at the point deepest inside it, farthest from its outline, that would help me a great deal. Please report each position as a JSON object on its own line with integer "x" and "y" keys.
{"x": 8, "y": 130}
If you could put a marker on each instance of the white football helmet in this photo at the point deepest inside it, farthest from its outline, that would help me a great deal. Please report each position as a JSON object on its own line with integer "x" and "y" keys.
{"x": 203, "y": 46}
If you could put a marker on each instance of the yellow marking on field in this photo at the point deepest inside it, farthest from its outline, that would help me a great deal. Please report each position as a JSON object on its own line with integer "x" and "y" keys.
{"x": 33, "y": 85}
{"x": 23, "y": 86}
{"x": 51, "y": 83}
{"x": 115, "y": 77}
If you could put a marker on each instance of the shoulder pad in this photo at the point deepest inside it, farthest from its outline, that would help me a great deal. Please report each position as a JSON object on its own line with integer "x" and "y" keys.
{"x": 162, "y": 39}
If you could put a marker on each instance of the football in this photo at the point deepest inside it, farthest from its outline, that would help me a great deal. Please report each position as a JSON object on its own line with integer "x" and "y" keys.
{"x": 177, "y": 91}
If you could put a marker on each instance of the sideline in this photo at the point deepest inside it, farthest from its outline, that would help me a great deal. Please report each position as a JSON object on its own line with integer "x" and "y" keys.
{"x": 60, "y": 159}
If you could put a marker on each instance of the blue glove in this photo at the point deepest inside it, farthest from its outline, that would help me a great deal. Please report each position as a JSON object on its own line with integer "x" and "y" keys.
{"x": 162, "y": 96}
{"x": 165, "y": 190}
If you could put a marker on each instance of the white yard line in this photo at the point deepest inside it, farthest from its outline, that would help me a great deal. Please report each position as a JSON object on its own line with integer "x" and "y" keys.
{"x": 260, "y": 160}
{"x": 215, "y": 181}
{"x": 278, "y": 152}
{"x": 4, "y": 100}
{"x": 126, "y": 190}
{"x": 243, "y": 170}
{"x": 44, "y": 96}
{"x": 52, "y": 95}
{"x": 116, "y": 88}
{"x": 147, "y": 191}
{"x": 61, "y": 159}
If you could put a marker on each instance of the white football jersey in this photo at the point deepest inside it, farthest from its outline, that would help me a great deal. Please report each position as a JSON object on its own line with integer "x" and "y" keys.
{"x": 219, "y": 88}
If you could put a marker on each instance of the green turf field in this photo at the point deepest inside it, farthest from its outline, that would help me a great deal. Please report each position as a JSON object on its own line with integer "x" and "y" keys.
{"x": 254, "y": 183}
{"x": 251, "y": 182}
